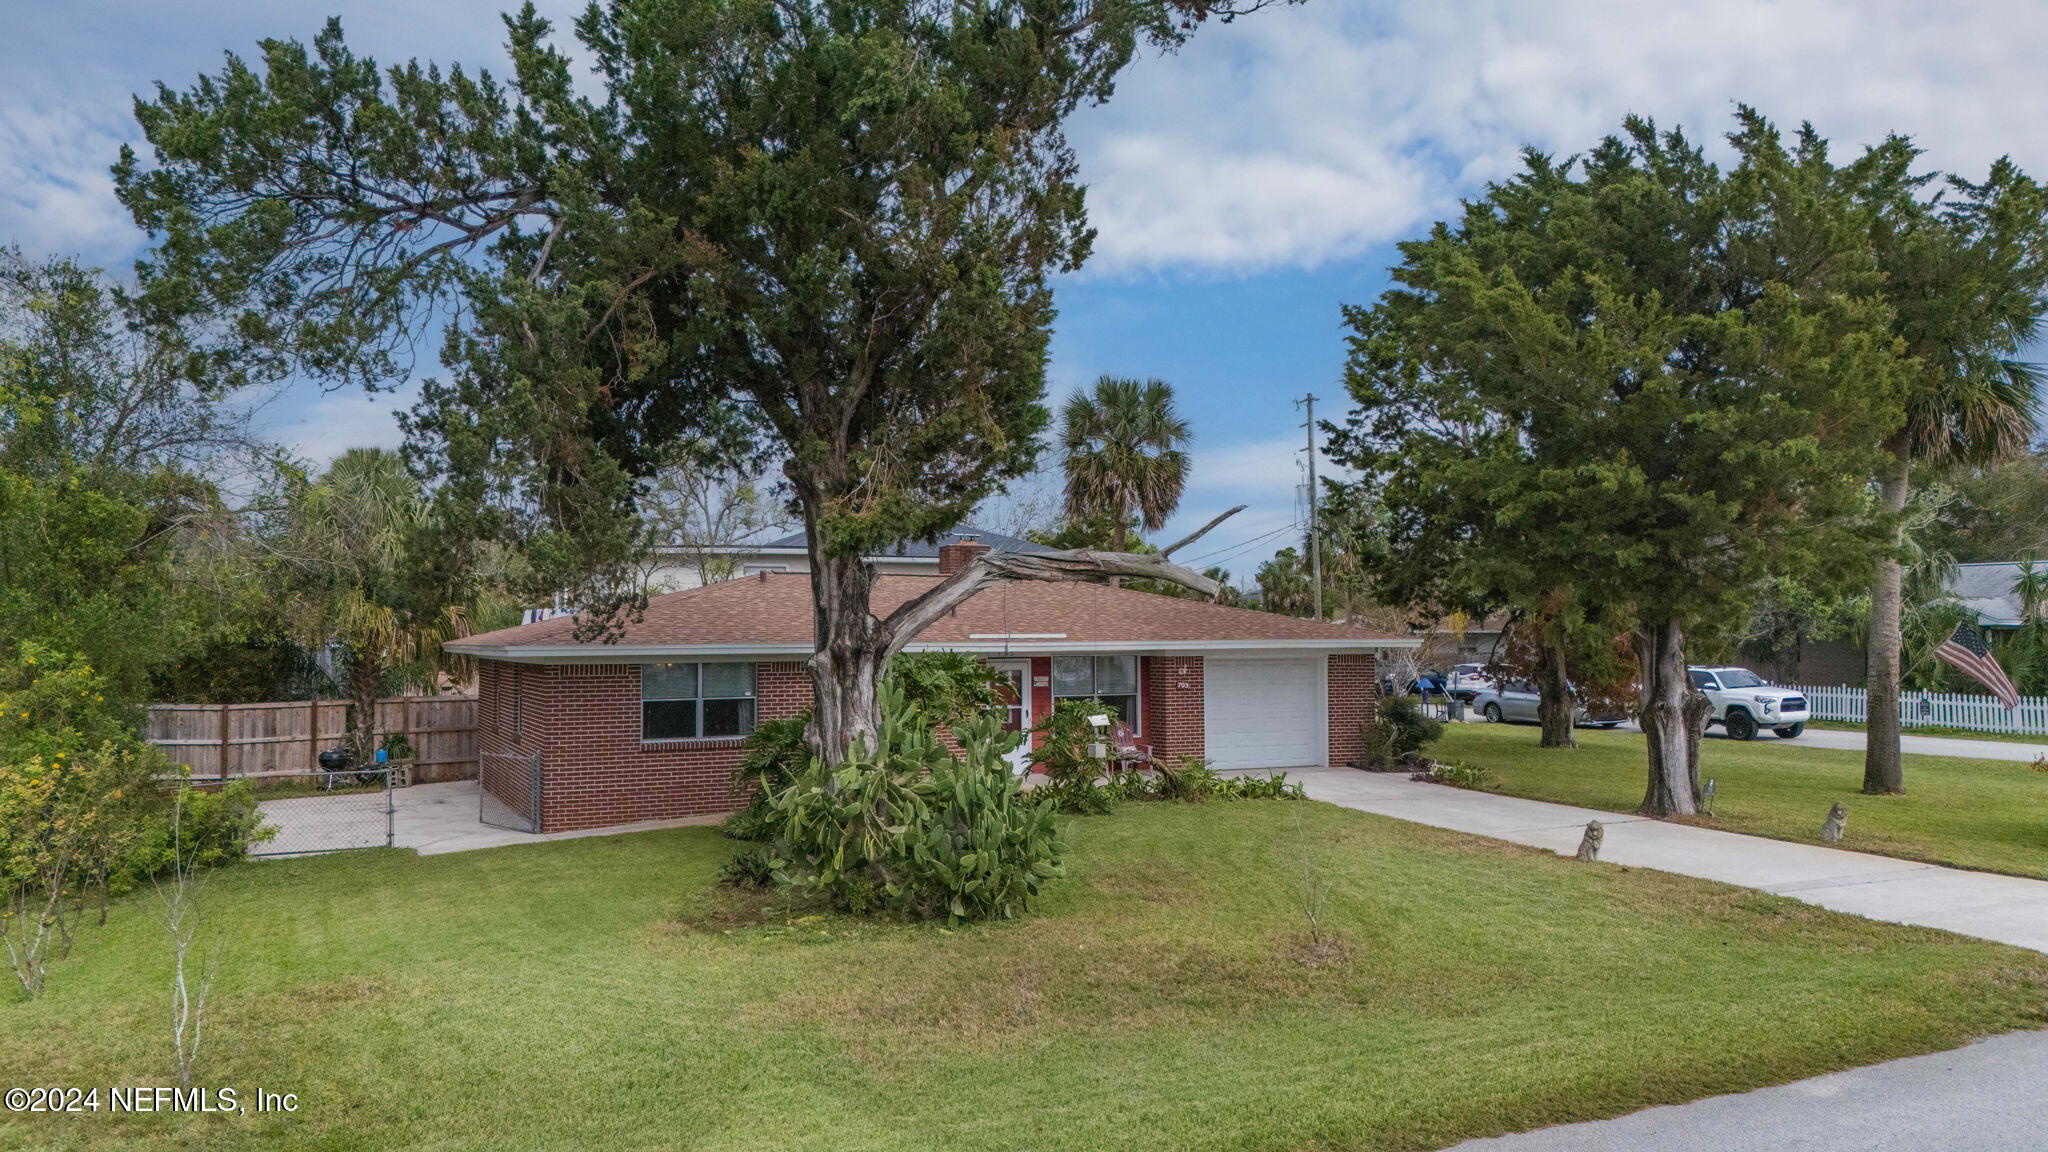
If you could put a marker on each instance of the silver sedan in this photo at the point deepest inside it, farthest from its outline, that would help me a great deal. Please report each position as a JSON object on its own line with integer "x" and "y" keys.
{"x": 1516, "y": 702}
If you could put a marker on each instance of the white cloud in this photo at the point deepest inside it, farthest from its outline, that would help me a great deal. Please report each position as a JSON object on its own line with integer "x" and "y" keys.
{"x": 1299, "y": 136}
{"x": 323, "y": 427}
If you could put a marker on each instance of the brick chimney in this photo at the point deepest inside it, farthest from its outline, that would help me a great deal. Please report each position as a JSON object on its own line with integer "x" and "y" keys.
{"x": 959, "y": 554}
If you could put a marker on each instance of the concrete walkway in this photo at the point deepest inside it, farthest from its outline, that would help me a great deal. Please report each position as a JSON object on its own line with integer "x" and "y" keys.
{"x": 1982, "y": 1098}
{"x": 428, "y": 818}
{"x": 2003, "y": 908}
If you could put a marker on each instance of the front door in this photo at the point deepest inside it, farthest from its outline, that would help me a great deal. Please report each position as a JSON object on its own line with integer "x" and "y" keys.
{"x": 1016, "y": 676}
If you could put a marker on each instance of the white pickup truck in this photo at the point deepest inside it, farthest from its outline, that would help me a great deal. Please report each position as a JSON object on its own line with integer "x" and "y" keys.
{"x": 1745, "y": 703}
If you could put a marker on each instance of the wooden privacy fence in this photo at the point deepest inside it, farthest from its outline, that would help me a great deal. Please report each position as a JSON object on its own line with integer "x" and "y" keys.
{"x": 1931, "y": 709}
{"x": 220, "y": 740}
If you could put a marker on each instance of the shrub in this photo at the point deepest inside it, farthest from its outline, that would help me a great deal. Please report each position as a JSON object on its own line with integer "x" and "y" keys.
{"x": 754, "y": 823}
{"x": 1064, "y": 736}
{"x": 1078, "y": 797}
{"x": 216, "y": 827}
{"x": 1072, "y": 777}
{"x": 902, "y": 827}
{"x": 773, "y": 754}
{"x": 1458, "y": 775}
{"x": 1274, "y": 787}
{"x": 1191, "y": 781}
{"x": 1399, "y": 731}
{"x": 749, "y": 868}
{"x": 950, "y": 688}
{"x": 1125, "y": 784}
{"x": 770, "y": 758}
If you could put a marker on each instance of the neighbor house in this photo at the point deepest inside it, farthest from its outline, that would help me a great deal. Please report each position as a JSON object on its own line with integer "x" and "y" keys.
{"x": 678, "y": 568}
{"x": 672, "y": 568}
{"x": 1987, "y": 590}
{"x": 1990, "y": 591}
{"x": 577, "y": 734}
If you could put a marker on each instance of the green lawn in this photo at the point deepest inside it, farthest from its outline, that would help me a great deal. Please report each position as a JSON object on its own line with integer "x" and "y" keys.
{"x": 596, "y": 993}
{"x": 1986, "y": 814}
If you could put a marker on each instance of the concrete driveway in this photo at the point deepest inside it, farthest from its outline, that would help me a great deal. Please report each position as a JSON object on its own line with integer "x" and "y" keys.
{"x": 2003, "y": 908}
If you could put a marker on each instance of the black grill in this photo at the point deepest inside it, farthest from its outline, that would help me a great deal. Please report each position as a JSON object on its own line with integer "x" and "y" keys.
{"x": 1792, "y": 703}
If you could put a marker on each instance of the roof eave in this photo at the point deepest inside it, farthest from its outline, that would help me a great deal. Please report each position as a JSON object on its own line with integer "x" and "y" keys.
{"x": 639, "y": 653}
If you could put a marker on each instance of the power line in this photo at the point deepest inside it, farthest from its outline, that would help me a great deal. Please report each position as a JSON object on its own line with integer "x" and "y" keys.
{"x": 1288, "y": 527}
{"x": 1231, "y": 550}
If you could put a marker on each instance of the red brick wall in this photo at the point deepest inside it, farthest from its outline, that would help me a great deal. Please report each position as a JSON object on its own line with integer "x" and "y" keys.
{"x": 585, "y": 722}
{"x": 597, "y": 772}
{"x": 1354, "y": 701}
{"x": 1174, "y": 723}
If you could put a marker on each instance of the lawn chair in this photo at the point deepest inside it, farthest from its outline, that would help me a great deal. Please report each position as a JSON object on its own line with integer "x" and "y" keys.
{"x": 1124, "y": 749}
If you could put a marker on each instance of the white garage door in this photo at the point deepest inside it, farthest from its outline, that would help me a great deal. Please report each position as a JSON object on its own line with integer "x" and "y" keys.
{"x": 1263, "y": 713}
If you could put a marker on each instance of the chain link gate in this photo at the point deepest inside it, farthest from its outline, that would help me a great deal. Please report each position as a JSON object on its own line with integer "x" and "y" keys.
{"x": 508, "y": 790}
{"x": 344, "y": 810}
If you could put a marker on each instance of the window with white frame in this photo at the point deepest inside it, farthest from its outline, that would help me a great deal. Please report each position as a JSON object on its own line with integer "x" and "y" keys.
{"x": 689, "y": 701}
{"x": 1113, "y": 680}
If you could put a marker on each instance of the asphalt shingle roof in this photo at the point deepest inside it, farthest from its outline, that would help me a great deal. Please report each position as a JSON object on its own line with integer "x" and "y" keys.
{"x": 1987, "y": 590}
{"x": 775, "y": 610}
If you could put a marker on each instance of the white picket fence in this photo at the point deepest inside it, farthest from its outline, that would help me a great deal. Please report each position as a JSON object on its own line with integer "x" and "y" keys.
{"x": 1932, "y": 710}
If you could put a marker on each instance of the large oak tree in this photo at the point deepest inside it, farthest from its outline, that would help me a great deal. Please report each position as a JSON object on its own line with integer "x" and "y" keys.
{"x": 822, "y": 227}
{"x": 1640, "y": 377}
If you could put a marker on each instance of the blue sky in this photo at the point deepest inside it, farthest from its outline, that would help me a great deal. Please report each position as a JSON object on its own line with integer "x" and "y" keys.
{"x": 1244, "y": 188}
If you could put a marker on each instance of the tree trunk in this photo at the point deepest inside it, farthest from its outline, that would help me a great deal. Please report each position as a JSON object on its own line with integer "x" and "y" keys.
{"x": 365, "y": 684}
{"x": 1672, "y": 717}
{"x": 1555, "y": 707}
{"x": 852, "y": 647}
{"x": 1883, "y": 773}
{"x": 851, "y": 652}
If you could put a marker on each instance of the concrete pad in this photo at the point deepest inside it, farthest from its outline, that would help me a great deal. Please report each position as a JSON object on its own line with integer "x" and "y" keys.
{"x": 2008, "y": 909}
{"x": 428, "y": 818}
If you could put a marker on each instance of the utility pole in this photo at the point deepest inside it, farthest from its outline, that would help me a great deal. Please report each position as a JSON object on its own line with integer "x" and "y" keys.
{"x": 1315, "y": 541}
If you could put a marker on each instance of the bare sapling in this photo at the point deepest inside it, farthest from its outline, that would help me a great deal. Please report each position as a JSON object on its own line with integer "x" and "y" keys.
{"x": 42, "y": 908}
{"x": 181, "y": 894}
{"x": 1312, "y": 889}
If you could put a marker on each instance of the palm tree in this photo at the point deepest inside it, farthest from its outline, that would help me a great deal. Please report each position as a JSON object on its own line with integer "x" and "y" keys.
{"x": 356, "y": 585}
{"x": 1126, "y": 457}
{"x": 1966, "y": 274}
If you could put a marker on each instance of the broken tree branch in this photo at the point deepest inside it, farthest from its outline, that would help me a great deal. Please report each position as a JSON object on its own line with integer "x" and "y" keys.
{"x": 1198, "y": 533}
{"x": 989, "y": 568}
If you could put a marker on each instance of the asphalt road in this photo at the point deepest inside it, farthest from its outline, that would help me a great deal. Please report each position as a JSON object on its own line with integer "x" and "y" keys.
{"x": 1987, "y": 1097}
{"x": 1917, "y": 745}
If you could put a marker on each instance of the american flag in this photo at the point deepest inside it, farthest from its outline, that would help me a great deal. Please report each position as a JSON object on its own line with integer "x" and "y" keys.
{"x": 1967, "y": 651}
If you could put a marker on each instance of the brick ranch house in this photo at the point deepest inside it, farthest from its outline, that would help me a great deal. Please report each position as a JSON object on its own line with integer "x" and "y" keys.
{"x": 649, "y": 726}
